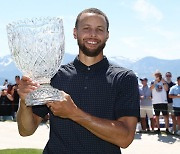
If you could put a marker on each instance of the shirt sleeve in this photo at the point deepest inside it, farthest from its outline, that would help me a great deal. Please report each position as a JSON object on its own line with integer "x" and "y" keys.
{"x": 128, "y": 100}
{"x": 40, "y": 110}
{"x": 171, "y": 91}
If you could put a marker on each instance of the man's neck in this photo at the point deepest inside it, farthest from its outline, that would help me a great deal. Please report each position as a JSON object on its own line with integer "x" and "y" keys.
{"x": 168, "y": 81}
{"x": 88, "y": 61}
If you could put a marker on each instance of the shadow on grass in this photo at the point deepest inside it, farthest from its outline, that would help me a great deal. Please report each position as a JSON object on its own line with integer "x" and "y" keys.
{"x": 21, "y": 151}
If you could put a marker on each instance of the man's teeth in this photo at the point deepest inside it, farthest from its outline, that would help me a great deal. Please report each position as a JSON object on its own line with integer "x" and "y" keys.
{"x": 91, "y": 42}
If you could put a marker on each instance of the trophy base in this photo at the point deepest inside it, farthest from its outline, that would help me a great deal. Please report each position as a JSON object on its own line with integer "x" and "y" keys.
{"x": 42, "y": 95}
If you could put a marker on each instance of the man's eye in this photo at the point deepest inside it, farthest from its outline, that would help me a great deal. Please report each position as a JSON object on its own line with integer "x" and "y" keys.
{"x": 86, "y": 28}
{"x": 101, "y": 30}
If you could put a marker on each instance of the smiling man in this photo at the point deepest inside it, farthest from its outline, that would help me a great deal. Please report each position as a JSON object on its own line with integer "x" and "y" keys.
{"x": 101, "y": 101}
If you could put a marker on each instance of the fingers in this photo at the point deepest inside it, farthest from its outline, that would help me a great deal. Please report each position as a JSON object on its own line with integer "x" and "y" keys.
{"x": 26, "y": 78}
{"x": 26, "y": 86}
{"x": 50, "y": 105}
{"x": 62, "y": 108}
{"x": 51, "y": 108}
{"x": 28, "y": 81}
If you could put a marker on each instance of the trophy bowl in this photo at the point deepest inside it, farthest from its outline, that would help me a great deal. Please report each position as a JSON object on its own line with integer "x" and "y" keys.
{"x": 37, "y": 48}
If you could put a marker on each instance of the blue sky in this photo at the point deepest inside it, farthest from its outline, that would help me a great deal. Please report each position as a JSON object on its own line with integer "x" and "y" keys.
{"x": 138, "y": 28}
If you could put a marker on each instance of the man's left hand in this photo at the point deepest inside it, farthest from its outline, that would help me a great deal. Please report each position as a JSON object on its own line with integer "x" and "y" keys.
{"x": 65, "y": 108}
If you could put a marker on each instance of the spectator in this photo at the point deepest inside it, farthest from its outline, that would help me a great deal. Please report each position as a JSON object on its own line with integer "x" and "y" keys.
{"x": 6, "y": 104}
{"x": 174, "y": 93}
{"x": 146, "y": 108}
{"x": 5, "y": 83}
{"x": 10, "y": 90}
{"x": 168, "y": 77}
{"x": 159, "y": 99}
{"x": 15, "y": 97}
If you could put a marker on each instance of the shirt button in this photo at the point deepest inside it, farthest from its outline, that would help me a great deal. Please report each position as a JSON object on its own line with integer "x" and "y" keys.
{"x": 85, "y": 88}
{"x": 88, "y": 68}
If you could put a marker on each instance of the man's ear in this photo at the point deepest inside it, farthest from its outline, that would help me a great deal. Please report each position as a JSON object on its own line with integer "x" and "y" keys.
{"x": 75, "y": 33}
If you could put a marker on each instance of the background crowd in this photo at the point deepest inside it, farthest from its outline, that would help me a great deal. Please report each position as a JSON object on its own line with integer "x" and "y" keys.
{"x": 9, "y": 100}
{"x": 159, "y": 99}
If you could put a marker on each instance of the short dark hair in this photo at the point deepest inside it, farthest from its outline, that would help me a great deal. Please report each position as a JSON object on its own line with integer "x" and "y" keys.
{"x": 92, "y": 10}
{"x": 168, "y": 73}
{"x": 178, "y": 78}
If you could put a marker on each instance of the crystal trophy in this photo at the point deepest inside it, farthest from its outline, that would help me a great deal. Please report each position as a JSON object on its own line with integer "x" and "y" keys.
{"x": 37, "y": 48}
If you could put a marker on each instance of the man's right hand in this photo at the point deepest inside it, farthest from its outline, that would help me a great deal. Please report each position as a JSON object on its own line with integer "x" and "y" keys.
{"x": 26, "y": 86}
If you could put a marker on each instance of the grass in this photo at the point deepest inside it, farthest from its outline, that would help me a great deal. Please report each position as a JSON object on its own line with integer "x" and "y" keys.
{"x": 21, "y": 151}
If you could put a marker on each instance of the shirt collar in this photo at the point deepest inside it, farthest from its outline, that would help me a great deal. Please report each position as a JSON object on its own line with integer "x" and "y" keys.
{"x": 103, "y": 64}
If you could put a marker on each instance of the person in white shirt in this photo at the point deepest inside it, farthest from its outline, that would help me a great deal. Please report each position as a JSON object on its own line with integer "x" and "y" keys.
{"x": 159, "y": 99}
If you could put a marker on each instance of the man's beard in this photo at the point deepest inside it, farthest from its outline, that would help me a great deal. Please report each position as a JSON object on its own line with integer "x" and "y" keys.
{"x": 91, "y": 53}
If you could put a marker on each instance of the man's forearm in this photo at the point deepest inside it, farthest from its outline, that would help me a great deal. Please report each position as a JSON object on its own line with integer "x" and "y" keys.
{"x": 174, "y": 96}
{"x": 25, "y": 120}
{"x": 152, "y": 86}
{"x": 115, "y": 132}
{"x": 165, "y": 86}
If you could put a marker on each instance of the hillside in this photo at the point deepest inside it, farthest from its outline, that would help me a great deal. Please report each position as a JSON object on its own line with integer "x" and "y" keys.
{"x": 144, "y": 67}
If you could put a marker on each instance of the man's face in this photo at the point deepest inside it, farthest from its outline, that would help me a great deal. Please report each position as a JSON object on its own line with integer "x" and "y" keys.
{"x": 91, "y": 34}
{"x": 168, "y": 76}
{"x": 178, "y": 82}
{"x": 158, "y": 77}
{"x": 144, "y": 82}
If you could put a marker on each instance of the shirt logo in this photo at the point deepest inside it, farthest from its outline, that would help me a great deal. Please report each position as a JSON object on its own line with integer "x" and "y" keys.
{"x": 158, "y": 87}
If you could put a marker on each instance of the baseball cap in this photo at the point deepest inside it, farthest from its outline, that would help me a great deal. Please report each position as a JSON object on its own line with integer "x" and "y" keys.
{"x": 143, "y": 79}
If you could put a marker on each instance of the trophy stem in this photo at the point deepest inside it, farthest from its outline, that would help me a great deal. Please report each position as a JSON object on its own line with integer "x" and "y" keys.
{"x": 42, "y": 95}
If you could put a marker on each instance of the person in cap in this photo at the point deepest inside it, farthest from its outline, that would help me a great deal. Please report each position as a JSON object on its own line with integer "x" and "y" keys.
{"x": 146, "y": 108}
{"x": 174, "y": 93}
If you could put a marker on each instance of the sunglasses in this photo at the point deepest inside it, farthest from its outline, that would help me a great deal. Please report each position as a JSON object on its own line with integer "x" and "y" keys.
{"x": 168, "y": 75}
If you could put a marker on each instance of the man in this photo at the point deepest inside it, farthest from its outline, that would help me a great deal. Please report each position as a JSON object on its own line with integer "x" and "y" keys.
{"x": 16, "y": 96}
{"x": 145, "y": 104}
{"x": 174, "y": 93}
{"x": 6, "y": 104}
{"x": 159, "y": 99}
{"x": 101, "y": 102}
{"x": 5, "y": 83}
{"x": 169, "y": 82}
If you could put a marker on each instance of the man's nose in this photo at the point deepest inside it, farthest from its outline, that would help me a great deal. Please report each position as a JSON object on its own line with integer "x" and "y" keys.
{"x": 93, "y": 33}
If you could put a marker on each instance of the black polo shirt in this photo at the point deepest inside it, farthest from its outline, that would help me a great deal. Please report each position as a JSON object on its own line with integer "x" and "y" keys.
{"x": 170, "y": 100}
{"x": 102, "y": 90}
